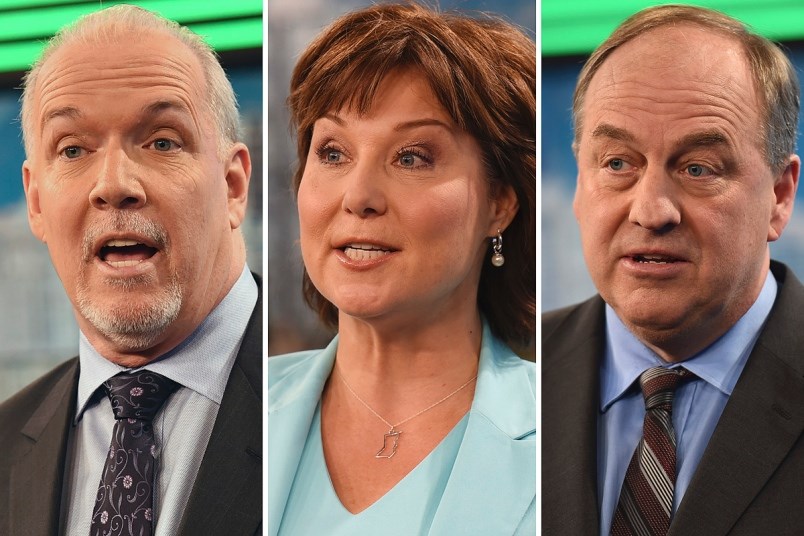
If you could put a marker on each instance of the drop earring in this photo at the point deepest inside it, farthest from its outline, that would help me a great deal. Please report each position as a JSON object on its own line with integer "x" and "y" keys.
{"x": 497, "y": 258}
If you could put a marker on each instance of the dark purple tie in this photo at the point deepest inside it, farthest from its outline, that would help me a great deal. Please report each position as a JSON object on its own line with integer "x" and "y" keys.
{"x": 124, "y": 503}
{"x": 646, "y": 498}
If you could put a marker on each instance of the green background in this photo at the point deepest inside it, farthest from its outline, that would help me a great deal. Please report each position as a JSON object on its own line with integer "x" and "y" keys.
{"x": 27, "y": 24}
{"x": 575, "y": 27}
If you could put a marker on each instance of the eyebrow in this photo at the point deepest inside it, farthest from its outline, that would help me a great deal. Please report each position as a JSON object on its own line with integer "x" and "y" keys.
{"x": 406, "y": 125}
{"x": 158, "y": 107}
{"x": 153, "y": 109}
{"x": 706, "y": 138}
{"x": 69, "y": 112}
{"x": 606, "y": 130}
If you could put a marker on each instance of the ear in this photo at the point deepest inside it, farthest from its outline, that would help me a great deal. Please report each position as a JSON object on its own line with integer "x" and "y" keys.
{"x": 238, "y": 175}
{"x": 31, "y": 187}
{"x": 784, "y": 192}
{"x": 504, "y": 207}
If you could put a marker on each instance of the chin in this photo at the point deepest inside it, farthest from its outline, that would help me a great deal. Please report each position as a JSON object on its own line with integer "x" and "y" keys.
{"x": 129, "y": 323}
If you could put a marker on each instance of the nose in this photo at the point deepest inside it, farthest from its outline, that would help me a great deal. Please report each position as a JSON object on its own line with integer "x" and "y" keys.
{"x": 655, "y": 205}
{"x": 364, "y": 194}
{"x": 117, "y": 185}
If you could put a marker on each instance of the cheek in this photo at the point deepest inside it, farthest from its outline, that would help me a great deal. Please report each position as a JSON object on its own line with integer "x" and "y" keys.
{"x": 450, "y": 215}
{"x": 313, "y": 205}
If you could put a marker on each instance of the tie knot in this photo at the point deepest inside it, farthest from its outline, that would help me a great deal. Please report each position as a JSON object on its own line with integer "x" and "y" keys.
{"x": 138, "y": 395}
{"x": 659, "y": 385}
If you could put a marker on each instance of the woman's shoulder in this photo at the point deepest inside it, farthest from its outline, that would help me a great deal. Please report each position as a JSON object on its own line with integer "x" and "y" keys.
{"x": 300, "y": 367}
{"x": 283, "y": 365}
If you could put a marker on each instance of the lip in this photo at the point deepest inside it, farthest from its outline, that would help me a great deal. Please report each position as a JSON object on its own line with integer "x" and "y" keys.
{"x": 107, "y": 237}
{"x": 123, "y": 270}
{"x": 361, "y": 253}
{"x": 654, "y": 263}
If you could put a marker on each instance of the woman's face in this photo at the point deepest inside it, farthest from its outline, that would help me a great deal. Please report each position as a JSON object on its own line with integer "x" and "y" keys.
{"x": 394, "y": 207}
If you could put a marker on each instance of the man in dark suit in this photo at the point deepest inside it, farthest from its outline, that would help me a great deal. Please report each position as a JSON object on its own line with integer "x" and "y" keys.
{"x": 137, "y": 182}
{"x": 685, "y": 126}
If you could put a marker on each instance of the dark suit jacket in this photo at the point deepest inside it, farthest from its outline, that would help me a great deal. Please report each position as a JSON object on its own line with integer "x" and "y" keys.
{"x": 227, "y": 496}
{"x": 750, "y": 480}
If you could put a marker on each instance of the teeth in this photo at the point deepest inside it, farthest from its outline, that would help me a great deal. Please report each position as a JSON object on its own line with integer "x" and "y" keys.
{"x": 356, "y": 253}
{"x": 652, "y": 259}
{"x": 121, "y": 242}
{"x": 120, "y": 264}
{"x": 368, "y": 247}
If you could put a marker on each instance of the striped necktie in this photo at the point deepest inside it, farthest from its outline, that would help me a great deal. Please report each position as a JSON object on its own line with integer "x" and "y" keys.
{"x": 646, "y": 498}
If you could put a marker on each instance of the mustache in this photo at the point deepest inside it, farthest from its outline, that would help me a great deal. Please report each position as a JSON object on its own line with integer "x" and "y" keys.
{"x": 123, "y": 222}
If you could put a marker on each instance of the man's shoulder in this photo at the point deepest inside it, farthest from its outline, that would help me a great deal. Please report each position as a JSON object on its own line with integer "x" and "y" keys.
{"x": 569, "y": 321}
{"x": 18, "y": 409}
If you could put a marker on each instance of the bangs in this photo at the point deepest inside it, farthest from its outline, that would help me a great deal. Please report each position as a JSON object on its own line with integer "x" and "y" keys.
{"x": 351, "y": 71}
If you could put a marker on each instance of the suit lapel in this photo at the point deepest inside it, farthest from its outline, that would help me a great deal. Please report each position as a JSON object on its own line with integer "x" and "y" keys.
{"x": 761, "y": 422}
{"x": 37, "y": 477}
{"x": 227, "y": 494}
{"x": 291, "y": 406}
{"x": 570, "y": 409}
{"x": 504, "y": 484}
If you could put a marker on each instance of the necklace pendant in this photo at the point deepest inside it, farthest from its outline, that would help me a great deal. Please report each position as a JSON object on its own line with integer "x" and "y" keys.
{"x": 390, "y": 442}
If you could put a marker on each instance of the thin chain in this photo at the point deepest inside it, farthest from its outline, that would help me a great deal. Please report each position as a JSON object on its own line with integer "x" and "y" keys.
{"x": 393, "y": 426}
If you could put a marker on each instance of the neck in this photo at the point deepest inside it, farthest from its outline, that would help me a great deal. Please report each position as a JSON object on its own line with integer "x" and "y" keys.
{"x": 392, "y": 369}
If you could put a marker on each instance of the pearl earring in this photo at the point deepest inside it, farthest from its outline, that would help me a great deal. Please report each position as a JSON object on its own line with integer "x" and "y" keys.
{"x": 496, "y": 244}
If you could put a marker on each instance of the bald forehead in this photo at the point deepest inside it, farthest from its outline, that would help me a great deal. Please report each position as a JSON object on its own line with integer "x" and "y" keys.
{"x": 685, "y": 45}
{"x": 106, "y": 56}
{"x": 685, "y": 62}
{"x": 126, "y": 61}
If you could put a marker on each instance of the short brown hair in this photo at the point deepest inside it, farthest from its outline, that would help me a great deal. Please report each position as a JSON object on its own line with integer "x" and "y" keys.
{"x": 483, "y": 72}
{"x": 775, "y": 79}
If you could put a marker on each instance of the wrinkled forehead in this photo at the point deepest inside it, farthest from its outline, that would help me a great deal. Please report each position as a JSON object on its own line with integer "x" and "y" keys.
{"x": 678, "y": 56}
{"x": 673, "y": 71}
{"x": 119, "y": 67}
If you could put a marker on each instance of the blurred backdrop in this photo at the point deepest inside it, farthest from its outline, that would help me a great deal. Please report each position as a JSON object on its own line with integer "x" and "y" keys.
{"x": 37, "y": 327}
{"x": 570, "y": 31}
{"x": 292, "y": 24}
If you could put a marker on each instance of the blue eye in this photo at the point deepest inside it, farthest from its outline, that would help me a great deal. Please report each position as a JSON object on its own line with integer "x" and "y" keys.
{"x": 616, "y": 164}
{"x": 72, "y": 152}
{"x": 332, "y": 156}
{"x": 327, "y": 154}
{"x": 412, "y": 159}
{"x": 697, "y": 170}
{"x": 407, "y": 160}
{"x": 164, "y": 145}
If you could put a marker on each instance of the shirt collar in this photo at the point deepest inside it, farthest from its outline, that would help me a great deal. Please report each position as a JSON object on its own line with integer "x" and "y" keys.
{"x": 201, "y": 362}
{"x": 720, "y": 364}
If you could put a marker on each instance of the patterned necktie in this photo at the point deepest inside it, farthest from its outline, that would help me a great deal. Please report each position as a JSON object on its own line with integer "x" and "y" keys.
{"x": 646, "y": 498}
{"x": 124, "y": 503}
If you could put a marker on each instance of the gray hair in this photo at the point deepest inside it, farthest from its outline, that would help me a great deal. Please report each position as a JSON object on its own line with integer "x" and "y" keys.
{"x": 775, "y": 79}
{"x": 109, "y": 24}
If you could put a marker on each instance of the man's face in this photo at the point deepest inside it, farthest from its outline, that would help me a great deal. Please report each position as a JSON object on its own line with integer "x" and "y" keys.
{"x": 675, "y": 200}
{"x": 125, "y": 185}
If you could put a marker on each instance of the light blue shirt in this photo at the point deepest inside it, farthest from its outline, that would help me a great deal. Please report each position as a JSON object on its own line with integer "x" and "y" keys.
{"x": 406, "y": 509}
{"x": 201, "y": 365}
{"x": 697, "y": 405}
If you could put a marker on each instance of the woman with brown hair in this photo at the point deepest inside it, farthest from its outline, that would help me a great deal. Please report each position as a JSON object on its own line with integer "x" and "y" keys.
{"x": 416, "y": 197}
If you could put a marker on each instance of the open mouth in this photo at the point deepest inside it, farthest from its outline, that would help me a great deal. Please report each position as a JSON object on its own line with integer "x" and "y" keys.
{"x": 121, "y": 252}
{"x": 365, "y": 252}
{"x": 654, "y": 259}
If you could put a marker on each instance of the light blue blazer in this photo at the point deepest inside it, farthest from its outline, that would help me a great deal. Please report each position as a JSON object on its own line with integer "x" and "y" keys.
{"x": 492, "y": 488}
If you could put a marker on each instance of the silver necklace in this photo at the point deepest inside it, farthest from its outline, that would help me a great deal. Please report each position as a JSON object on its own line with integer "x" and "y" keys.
{"x": 390, "y": 441}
